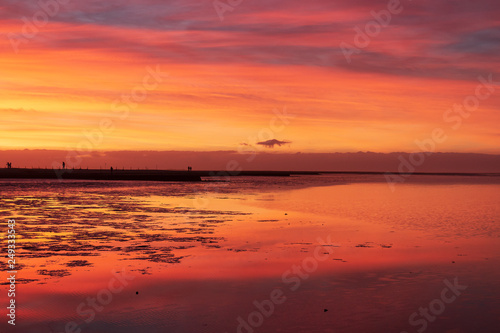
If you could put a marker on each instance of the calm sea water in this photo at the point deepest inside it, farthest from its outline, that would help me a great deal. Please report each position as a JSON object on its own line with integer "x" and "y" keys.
{"x": 336, "y": 253}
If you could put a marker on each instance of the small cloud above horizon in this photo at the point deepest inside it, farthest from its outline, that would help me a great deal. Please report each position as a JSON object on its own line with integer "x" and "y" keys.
{"x": 272, "y": 143}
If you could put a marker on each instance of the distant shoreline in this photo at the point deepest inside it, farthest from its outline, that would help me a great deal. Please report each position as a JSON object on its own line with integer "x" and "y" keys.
{"x": 132, "y": 175}
{"x": 179, "y": 175}
{"x": 472, "y": 174}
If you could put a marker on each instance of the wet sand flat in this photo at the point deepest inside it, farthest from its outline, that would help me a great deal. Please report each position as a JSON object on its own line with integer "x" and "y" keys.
{"x": 346, "y": 256}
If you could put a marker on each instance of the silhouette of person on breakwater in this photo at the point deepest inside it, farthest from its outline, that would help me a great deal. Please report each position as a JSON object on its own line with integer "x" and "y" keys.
{"x": 64, "y": 165}
{"x": 190, "y": 168}
{"x": 9, "y": 165}
{"x": 111, "y": 169}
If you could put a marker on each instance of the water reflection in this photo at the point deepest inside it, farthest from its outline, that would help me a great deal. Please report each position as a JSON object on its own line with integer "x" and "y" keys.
{"x": 200, "y": 269}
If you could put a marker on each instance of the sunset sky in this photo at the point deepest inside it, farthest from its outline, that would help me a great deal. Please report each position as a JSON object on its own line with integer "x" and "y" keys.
{"x": 228, "y": 78}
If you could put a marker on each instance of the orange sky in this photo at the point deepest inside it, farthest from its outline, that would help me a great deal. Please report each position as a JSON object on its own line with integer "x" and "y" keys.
{"x": 226, "y": 77}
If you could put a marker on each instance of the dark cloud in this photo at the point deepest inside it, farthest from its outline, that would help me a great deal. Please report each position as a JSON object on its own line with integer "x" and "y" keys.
{"x": 272, "y": 143}
{"x": 484, "y": 41}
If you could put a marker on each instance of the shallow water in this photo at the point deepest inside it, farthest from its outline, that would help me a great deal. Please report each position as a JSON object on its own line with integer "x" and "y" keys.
{"x": 343, "y": 252}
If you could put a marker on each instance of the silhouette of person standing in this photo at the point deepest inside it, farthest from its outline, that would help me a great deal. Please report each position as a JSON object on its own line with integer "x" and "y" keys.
{"x": 64, "y": 165}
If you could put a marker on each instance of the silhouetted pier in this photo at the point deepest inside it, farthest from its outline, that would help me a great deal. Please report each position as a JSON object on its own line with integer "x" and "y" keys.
{"x": 138, "y": 175}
